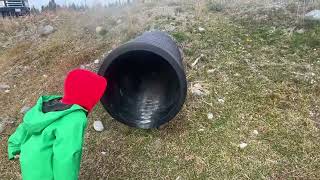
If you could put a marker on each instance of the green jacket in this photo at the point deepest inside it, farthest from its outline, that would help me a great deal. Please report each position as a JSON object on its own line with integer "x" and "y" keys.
{"x": 49, "y": 144}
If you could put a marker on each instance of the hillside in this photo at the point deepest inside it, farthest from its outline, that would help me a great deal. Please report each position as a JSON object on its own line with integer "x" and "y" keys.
{"x": 252, "y": 110}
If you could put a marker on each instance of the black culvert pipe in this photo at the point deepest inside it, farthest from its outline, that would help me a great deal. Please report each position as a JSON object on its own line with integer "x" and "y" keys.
{"x": 146, "y": 81}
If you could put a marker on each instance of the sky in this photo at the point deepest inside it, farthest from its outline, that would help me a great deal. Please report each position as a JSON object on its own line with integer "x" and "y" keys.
{"x": 39, "y": 3}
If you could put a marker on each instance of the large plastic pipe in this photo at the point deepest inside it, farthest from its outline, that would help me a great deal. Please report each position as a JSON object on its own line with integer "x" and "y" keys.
{"x": 147, "y": 84}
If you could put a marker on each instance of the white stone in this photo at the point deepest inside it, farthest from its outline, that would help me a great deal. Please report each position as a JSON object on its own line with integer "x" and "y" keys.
{"x": 96, "y": 61}
{"x": 201, "y": 29}
{"x": 221, "y": 100}
{"x": 198, "y": 90}
{"x": 170, "y": 28}
{"x": 7, "y": 91}
{"x": 4, "y": 87}
{"x": 211, "y": 71}
{"x": 300, "y": 31}
{"x": 243, "y": 145}
{"x": 24, "y": 109}
{"x": 45, "y": 76}
{"x": 98, "y": 126}
{"x": 46, "y": 30}
{"x": 237, "y": 75}
{"x": 255, "y": 132}
{"x": 101, "y": 31}
{"x": 1, "y": 127}
{"x": 103, "y": 153}
{"x": 210, "y": 116}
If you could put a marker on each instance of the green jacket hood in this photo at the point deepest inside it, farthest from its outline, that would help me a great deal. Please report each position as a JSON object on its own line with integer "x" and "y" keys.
{"x": 35, "y": 120}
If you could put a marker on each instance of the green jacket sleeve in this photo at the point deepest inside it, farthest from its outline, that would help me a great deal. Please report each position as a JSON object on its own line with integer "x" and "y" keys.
{"x": 15, "y": 141}
{"x": 67, "y": 148}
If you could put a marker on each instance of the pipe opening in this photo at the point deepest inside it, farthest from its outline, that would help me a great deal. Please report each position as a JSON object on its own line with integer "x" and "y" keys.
{"x": 142, "y": 88}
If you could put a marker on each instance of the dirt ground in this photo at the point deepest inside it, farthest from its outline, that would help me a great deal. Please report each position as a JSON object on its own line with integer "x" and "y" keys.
{"x": 257, "y": 116}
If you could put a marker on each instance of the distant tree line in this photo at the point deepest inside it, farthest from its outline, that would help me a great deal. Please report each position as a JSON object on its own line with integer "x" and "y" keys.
{"x": 53, "y": 6}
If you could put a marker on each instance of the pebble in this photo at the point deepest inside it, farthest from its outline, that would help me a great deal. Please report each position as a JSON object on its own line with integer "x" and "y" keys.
{"x": 45, "y": 76}
{"x": 24, "y": 109}
{"x": 221, "y": 100}
{"x": 300, "y": 31}
{"x": 243, "y": 145}
{"x": 170, "y": 28}
{"x": 237, "y": 75}
{"x": 198, "y": 90}
{"x": 201, "y": 29}
{"x": 7, "y": 91}
{"x": 103, "y": 153}
{"x": 46, "y": 30}
{"x": 211, "y": 71}
{"x": 96, "y": 61}
{"x": 1, "y": 127}
{"x": 100, "y": 30}
{"x": 98, "y": 126}
{"x": 255, "y": 132}
{"x": 210, "y": 116}
{"x": 4, "y": 87}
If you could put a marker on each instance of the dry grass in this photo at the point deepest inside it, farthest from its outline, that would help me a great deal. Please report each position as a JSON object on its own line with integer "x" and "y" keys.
{"x": 258, "y": 77}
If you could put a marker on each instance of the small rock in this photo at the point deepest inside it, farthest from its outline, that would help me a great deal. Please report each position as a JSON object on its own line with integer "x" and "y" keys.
{"x": 201, "y": 130}
{"x": 313, "y": 15}
{"x": 169, "y": 28}
{"x": 210, "y": 71}
{"x": 198, "y": 90}
{"x": 98, "y": 126}
{"x": 101, "y": 31}
{"x": 179, "y": 178}
{"x": 201, "y": 29}
{"x": 243, "y": 145}
{"x": 1, "y": 127}
{"x": 7, "y": 91}
{"x": 46, "y": 30}
{"x": 103, "y": 153}
{"x": 210, "y": 116}
{"x": 255, "y": 132}
{"x": 45, "y": 76}
{"x": 221, "y": 100}
{"x": 4, "y": 87}
{"x": 24, "y": 109}
{"x": 237, "y": 75}
{"x": 96, "y": 61}
{"x": 300, "y": 31}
